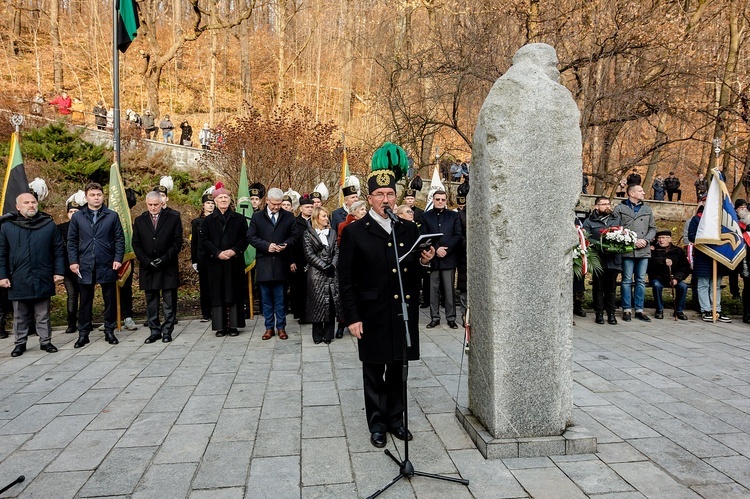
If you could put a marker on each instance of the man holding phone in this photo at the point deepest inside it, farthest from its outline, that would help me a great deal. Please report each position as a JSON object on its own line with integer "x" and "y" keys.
{"x": 271, "y": 231}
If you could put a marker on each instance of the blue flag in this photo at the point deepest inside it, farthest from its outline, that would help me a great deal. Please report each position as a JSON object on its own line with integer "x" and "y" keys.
{"x": 719, "y": 234}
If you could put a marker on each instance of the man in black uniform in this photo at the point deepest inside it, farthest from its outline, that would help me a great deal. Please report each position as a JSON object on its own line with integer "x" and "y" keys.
{"x": 339, "y": 214}
{"x": 371, "y": 300}
{"x": 410, "y": 198}
{"x": 298, "y": 279}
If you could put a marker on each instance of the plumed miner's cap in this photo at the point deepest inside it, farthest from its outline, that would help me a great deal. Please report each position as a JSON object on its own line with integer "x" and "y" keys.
{"x": 410, "y": 193}
{"x": 349, "y": 190}
{"x": 305, "y": 199}
{"x": 389, "y": 163}
{"x": 38, "y": 187}
{"x": 76, "y": 201}
{"x": 316, "y": 195}
{"x": 461, "y": 200}
{"x": 257, "y": 190}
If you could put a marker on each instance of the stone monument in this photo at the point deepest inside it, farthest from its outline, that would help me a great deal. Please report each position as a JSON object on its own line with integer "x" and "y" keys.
{"x": 525, "y": 181}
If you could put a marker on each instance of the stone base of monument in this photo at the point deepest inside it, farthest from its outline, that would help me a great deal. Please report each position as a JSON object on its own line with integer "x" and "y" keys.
{"x": 575, "y": 440}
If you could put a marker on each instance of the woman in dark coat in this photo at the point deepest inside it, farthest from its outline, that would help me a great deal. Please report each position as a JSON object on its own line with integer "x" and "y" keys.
{"x": 224, "y": 241}
{"x": 198, "y": 256}
{"x": 321, "y": 252}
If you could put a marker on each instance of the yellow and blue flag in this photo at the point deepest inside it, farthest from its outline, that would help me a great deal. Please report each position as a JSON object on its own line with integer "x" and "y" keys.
{"x": 719, "y": 234}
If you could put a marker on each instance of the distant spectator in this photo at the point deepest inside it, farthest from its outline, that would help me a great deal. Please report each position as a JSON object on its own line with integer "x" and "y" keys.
{"x": 622, "y": 186}
{"x": 133, "y": 118}
{"x": 148, "y": 124}
{"x": 186, "y": 134}
{"x": 672, "y": 185}
{"x": 100, "y": 115}
{"x": 659, "y": 189}
{"x": 77, "y": 116}
{"x": 465, "y": 170}
{"x": 585, "y": 184}
{"x": 445, "y": 169}
{"x": 111, "y": 119}
{"x": 634, "y": 178}
{"x": 701, "y": 186}
{"x": 204, "y": 137}
{"x": 63, "y": 103}
{"x": 37, "y": 104}
{"x": 456, "y": 172}
{"x": 167, "y": 129}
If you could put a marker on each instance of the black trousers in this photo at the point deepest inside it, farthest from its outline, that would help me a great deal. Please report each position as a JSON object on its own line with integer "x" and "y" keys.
{"x": 671, "y": 193}
{"x": 298, "y": 293}
{"x": 604, "y": 289}
{"x": 205, "y": 294}
{"x": 169, "y": 304}
{"x": 86, "y": 310}
{"x": 126, "y": 296}
{"x": 73, "y": 291}
{"x": 323, "y": 331}
{"x": 384, "y": 396}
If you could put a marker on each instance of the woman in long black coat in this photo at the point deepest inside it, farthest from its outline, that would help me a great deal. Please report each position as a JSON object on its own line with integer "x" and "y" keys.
{"x": 321, "y": 252}
{"x": 198, "y": 256}
{"x": 224, "y": 241}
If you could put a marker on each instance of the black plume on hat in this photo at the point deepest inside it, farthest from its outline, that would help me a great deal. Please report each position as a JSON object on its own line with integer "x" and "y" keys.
{"x": 463, "y": 189}
{"x": 416, "y": 183}
{"x": 305, "y": 199}
{"x": 132, "y": 196}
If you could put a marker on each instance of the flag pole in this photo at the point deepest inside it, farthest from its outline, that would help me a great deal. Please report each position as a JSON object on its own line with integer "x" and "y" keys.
{"x": 115, "y": 85}
{"x": 713, "y": 305}
{"x": 250, "y": 293}
{"x": 119, "y": 308}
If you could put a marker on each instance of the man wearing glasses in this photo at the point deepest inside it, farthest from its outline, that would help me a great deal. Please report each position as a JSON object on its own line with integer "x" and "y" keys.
{"x": 604, "y": 284}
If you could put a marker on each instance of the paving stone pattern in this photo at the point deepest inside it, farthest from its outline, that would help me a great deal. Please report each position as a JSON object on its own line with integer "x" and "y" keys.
{"x": 207, "y": 417}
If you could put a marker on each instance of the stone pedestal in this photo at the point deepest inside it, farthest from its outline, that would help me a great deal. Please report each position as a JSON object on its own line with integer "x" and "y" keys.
{"x": 525, "y": 181}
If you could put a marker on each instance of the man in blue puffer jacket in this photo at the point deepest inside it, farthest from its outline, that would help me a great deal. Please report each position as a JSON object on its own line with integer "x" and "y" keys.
{"x": 31, "y": 263}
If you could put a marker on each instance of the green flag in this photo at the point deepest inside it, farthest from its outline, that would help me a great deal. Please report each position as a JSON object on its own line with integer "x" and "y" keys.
{"x": 127, "y": 23}
{"x": 118, "y": 203}
{"x": 16, "y": 182}
{"x": 244, "y": 207}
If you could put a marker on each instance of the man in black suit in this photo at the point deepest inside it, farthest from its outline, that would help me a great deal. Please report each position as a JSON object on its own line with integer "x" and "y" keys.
{"x": 410, "y": 198}
{"x": 371, "y": 301}
{"x": 440, "y": 220}
{"x": 157, "y": 240}
{"x": 298, "y": 279}
{"x": 339, "y": 215}
{"x": 271, "y": 232}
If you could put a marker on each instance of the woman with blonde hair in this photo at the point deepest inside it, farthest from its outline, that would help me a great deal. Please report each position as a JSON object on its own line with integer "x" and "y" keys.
{"x": 321, "y": 252}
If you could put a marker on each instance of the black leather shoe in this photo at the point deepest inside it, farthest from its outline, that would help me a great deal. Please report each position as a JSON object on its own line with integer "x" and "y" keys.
{"x": 221, "y": 333}
{"x": 111, "y": 338}
{"x": 579, "y": 312}
{"x": 611, "y": 319}
{"x": 681, "y": 316}
{"x": 339, "y": 333}
{"x": 166, "y": 338}
{"x": 658, "y": 315}
{"x": 424, "y": 305}
{"x": 153, "y": 338}
{"x": 49, "y": 348}
{"x": 81, "y": 341}
{"x": 643, "y": 317}
{"x": 377, "y": 438}
{"x": 599, "y": 318}
{"x": 3, "y": 333}
{"x": 71, "y": 329}
{"x": 452, "y": 325}
{"x": 401, "y": 433}
{"x": 433, "y": 324}
{"x": 19, "y": 350}
{"x": 233, "y": 332}
{"x": 627, "y": 317}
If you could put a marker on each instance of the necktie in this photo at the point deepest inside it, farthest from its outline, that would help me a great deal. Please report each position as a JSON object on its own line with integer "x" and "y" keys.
{"x": 273, "y": 219}
{"x": 93, "y": 218}
{"x": 154, "y": 219}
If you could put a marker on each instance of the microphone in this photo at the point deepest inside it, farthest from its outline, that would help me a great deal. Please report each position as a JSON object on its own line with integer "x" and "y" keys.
{"x": 8, "y": 217}
{"x": 389, "y": 213}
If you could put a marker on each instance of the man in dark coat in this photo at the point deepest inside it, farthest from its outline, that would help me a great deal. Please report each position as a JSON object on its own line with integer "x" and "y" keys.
{"x": 440, "y": 220}
{"x": 70, "y": 279}
{"x": 604, "y": 283}
{"x": 371, "y": 302}
{"x": 462, "y": 263}
{"x": 339, "y": 214}
{"x": 410, "y": 200}
{"x": 272, "y": 233}
{"x": 96, "y": 248}
{"x": 223, "y": 238}
{"x": 668, "y": 266}
{"x": 298, "y": 277}
{"x": 157, "y": 240}
{"x": 672, "y": 185}
{"x": 31, "y": 263}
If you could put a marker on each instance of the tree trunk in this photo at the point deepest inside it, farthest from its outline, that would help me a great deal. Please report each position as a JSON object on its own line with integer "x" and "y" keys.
{"x": 212, "y": 84}
{"x": 346, "y": 72}
{"x": 177, "y": 31}
{"x": 532, "y": 22}
{"x": 730, "y": 74}
{"x": 54, "y": 31}
{"x": 658, "y": 143}
{"x": 246, "y": 81}
{"x": 15, "y": 39}
{"x": 281, "y": 35}
{"x": 152, "y": 88}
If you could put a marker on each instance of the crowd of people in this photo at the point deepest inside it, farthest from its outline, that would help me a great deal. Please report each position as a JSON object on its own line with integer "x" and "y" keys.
{"x": 145, "y": 124}
{"x": 656, "y": 259}
{"x": 663, "y": 188}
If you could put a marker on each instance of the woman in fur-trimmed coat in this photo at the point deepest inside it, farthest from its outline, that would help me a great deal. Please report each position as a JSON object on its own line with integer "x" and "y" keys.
{"x": 321, "y": 252}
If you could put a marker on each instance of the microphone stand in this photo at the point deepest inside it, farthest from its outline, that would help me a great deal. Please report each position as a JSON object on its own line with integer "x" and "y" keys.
{"x": 406, "y": 468}
{"x": 18, "y": 480}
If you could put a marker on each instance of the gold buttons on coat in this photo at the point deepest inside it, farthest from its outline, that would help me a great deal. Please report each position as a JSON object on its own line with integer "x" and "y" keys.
{"x": 395, "y": 297}
{"x": 408, "y": 297}
{"x": 394, "y": 271}
{"x": 390, "y": 244}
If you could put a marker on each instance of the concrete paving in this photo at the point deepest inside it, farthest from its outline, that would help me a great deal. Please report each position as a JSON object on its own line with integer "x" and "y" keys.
{"x": 207, "y": 417}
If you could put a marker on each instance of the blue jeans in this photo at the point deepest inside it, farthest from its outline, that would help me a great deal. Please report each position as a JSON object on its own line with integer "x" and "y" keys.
{"x": 168, "y": 136}
{"x": 705, "y": 294}
{"x": 272, "y": 300}
{"x": 680, "y": 294}
{"x": 633, "y": 268}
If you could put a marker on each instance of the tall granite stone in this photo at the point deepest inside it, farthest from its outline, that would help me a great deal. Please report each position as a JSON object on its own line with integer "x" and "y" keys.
{"x": 526, "y": 178}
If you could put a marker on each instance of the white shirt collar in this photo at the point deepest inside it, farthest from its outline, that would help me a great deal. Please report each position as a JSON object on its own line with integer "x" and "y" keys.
{"x": 385, "y": 223}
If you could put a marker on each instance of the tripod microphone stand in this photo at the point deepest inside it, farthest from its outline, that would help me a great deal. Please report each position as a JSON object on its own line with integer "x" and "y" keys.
{"x": 406, "y": 468}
